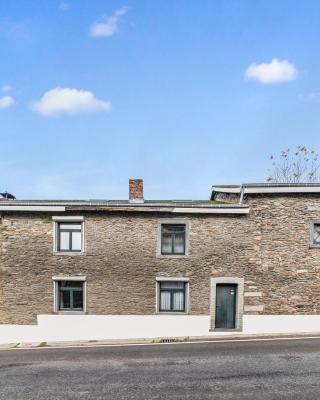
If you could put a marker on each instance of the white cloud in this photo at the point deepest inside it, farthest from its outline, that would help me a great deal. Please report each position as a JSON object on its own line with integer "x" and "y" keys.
{"x": 69, "y": 101}
{"x": 64, "y": 6}
{"x": 313, "y": 96}
{"x": 6, "y": 88}
{"x": 109, "y": 25}
{"x": 276, "y": 71}
{"x": 6, "y": 102}
{"x": 12, "y": 29}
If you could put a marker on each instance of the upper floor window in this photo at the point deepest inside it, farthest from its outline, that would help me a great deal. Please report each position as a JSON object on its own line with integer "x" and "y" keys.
{"x": 173, "y": 239}
{"x": 69, "y": 236}
{"x": 315, "y": 234}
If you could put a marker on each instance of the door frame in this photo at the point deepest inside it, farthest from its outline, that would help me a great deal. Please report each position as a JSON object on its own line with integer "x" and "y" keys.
{"x": 239, "y": 301}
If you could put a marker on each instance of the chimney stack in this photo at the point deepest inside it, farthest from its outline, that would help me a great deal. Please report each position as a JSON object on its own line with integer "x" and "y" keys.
{"x": 136, "y": 191}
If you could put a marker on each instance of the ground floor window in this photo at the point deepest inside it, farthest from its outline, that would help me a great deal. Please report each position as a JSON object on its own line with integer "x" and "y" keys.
{"x": 70, "y": 295}
{"x": 172, "y": 296}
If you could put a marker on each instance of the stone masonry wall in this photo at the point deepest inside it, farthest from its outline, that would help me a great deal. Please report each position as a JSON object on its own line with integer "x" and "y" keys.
{"x": 269, "y": 248}
{"x": 281, "y": 238}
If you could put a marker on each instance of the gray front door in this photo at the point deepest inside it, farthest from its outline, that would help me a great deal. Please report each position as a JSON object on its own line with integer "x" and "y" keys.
{"x": 226, "y": 306}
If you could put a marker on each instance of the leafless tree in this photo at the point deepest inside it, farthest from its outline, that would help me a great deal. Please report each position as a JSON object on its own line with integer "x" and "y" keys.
{"x": 299, "y": 166}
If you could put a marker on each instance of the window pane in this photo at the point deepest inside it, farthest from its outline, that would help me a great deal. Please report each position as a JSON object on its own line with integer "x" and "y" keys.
{"x": 172, "y": 285}
{"x": 173, "y": 228}
{"x": 316, "y": 234}
{"x": 178, "y": 247}
{"x": 64, "y": 302}
{"x": 70, "y": 226}
{"x": 64, "y": 241}
{"x": 70, "y": 295}
{"x": 74, "y": 284}
{"x": 178, "y": 301}
{"x": 166, "y": 243}
{"x": 166, "y": 228}
{"x": 76, "y": 241}
{"x": 78, "y": 299}
{"x": 173, "y": 239}
{"x": 165, "y": 301}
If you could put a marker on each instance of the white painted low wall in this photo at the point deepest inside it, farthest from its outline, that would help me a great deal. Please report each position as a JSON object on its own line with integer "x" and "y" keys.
{"x": 99, "y": 327}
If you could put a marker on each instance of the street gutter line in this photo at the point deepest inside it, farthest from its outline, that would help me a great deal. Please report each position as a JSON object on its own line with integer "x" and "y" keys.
{"x": 48, "y": 347}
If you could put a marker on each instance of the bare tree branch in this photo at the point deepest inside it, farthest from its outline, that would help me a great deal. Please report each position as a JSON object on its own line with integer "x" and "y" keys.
{"x": 299, "y": 166}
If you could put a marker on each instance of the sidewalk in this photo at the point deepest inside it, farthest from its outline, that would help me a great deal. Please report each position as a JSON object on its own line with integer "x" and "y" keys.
{"x": 158, "y": 341}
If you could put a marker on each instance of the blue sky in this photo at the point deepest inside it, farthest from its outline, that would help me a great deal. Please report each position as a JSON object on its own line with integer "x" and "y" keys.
{"x": 183, "y": 94}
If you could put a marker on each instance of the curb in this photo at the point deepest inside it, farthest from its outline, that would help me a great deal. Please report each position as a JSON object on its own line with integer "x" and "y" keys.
{"x": 158, "y": 341}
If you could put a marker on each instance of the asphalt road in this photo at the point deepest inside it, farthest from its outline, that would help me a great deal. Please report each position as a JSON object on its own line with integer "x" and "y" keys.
{"x": 283, "y": 369}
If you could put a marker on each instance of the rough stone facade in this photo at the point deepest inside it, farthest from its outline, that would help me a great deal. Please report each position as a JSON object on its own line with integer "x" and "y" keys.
{"x": 269, "y": 248}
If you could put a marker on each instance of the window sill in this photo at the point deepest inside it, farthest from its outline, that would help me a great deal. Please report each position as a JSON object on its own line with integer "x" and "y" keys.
{"x": 70, "y": 312}
{"x": 172, "y": 313}
{"x": 314, "y": 246}
{"x": 225, "y": 330}
{"x": 172, "y": 255}
{"x": 69, "y": 253}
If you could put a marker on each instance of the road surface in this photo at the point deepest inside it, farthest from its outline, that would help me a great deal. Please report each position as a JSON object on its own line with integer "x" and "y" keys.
{"x": 257, "y": 370}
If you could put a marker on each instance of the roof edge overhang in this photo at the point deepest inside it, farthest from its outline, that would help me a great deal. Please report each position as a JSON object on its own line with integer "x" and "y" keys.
{"x": 32, "y": 208}
{"x": 218, "y": 209}
{"x": 173, "y": 210}
{"x": 267, "y": 188}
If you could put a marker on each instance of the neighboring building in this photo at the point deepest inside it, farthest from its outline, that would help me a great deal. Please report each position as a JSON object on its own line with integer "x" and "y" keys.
{"x": 247, "y": 260}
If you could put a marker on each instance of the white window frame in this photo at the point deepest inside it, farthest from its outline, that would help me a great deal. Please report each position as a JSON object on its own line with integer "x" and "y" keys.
{"x": 65, "y": 219}
{"x": 311, "y": 242}
{"x": 172, "y": 279}
{"x": 173, "y": 221}
{"x": 57, "y": 279}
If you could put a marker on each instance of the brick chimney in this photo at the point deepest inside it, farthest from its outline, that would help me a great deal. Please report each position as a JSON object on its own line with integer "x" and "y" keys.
{"x": 136, "y": 191}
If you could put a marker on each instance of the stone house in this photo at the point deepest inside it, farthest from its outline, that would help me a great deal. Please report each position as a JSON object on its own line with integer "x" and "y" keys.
{"x": 248, "y": 260}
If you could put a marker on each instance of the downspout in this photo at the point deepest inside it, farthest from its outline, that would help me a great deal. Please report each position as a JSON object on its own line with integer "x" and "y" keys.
{"x": 241, "y": 194}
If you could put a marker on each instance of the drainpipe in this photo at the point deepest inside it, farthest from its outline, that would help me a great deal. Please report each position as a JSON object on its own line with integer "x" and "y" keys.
{"x": 241, "y": 194}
